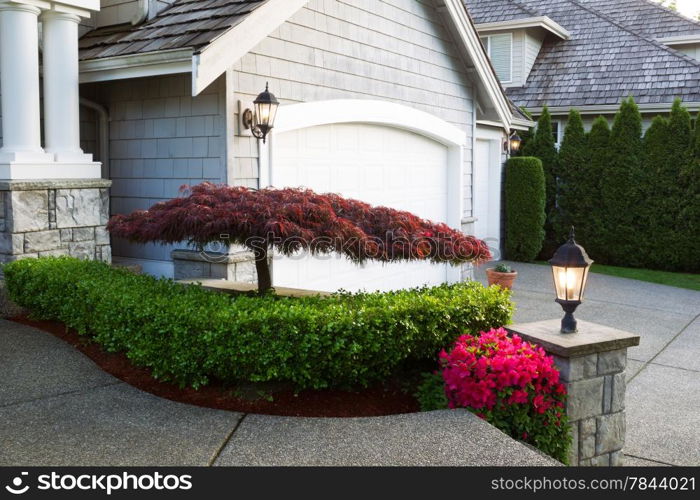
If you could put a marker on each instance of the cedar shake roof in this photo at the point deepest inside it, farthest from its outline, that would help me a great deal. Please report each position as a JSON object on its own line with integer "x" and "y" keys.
{"x": 185, "y": 24}
{"x": 612, "y": 52}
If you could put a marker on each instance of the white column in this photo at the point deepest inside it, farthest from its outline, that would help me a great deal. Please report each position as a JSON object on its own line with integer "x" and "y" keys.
{"x": 19, "y": 84}
{"x": 61, "y": 87}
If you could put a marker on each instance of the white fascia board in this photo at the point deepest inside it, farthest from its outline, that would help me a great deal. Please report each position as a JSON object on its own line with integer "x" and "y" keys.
{"x": 93, "y": 5}
{"x": 165, "y": 62}
{"x": 607, "y": 109}
{"x": 543, "y": 22}
{"x": 522, "y": 124}
{"x": 470, "y": 40}
{"x": 233, "y": 44}
{"x": 680, "y": 40}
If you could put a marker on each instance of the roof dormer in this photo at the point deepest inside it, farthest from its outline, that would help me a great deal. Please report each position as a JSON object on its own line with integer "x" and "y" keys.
{"x": 513, "y": 45}
{"x": 687, "y": 44}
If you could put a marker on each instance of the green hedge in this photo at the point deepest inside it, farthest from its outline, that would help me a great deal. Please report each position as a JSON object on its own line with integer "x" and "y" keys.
{"x": 188, "y": 335}
{"x": 525, "y": 208}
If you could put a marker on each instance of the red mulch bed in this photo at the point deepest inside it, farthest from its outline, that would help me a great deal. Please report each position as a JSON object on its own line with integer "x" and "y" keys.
{"x": 385, "y": 399}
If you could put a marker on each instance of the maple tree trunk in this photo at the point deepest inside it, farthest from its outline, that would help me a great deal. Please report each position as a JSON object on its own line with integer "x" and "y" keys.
{"x": 262, "y": 266}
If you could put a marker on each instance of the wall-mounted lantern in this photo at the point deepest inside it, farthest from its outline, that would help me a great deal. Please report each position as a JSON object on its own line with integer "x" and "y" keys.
{"x": 512, "y": 144}
{"x": 261, "y": 118}
{"x": 570, "y": 266}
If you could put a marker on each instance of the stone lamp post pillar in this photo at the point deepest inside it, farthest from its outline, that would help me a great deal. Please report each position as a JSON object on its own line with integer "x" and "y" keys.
{"x": 592, "y": 364}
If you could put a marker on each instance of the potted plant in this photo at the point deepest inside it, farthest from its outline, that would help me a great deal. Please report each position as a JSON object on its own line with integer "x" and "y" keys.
{"x": 502, "y": 275}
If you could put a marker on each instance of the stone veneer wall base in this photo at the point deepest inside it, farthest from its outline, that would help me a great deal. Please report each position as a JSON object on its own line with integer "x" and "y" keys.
{"x": 54, "y": 217}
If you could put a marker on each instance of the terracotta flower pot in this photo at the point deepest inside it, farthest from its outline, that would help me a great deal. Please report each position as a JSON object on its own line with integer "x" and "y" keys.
{"x": 505, "y": 280}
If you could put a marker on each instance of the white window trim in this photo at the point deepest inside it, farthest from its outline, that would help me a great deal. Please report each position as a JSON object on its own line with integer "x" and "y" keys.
{"x": 488, "y": 53}
{"x": 311, "y": 114}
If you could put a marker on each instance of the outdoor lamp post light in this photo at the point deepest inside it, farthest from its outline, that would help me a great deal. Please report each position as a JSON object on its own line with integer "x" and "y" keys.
{"x": 512, "y": 145}
{"x": 570, "y": 266}
{"x": 261, "y": 120}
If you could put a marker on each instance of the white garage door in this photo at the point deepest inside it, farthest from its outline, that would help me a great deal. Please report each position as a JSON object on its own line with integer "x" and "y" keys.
{"x": 380, "y": 165}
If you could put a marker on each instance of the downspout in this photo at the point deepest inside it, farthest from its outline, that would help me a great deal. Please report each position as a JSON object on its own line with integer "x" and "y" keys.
{"x": 141, "y": 12}
{"x": 103, "y": 133}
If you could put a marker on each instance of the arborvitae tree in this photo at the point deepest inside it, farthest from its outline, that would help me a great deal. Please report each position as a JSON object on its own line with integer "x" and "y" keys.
{"x": 620, "y": 191}
{"x": 525, "y": 135}
{"x": 656, "y": 150}
{"x": 667, "y": 152}
{"x": 575, "y": 199}
{"x": 590, "y": 234}
{"x": 690, "y": 211}
{"x": 542, "y": 146}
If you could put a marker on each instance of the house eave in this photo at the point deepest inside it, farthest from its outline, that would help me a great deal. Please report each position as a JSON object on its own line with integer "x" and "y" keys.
{"x": 543, "y": 22}
{"x": 166, "y": 62}
{"x": 469, "y": 38}
{"x": 661, "y": 107}
{"x": 680, "y": 40}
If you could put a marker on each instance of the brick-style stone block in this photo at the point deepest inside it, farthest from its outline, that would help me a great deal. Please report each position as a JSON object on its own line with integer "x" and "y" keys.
{"x": 104, "y": 207}
{"x": 585, "y": 398}
{"x": 11, "y": 244}
{"x": 42, "y": 241}
{"x": 78, "y": 207}
{"x": 612, "y": 361}
{"x": 611, "y": 433}
{"x": 607, "y": 393}
{"x": 617, "y": 459}
{"x": 29, "y": 211}
{"x": 101, "y": 236}
{"x": 573, "y": 449}
{"x": 587, "y": 433}
{"x": 83, "y": 234}
{"x": 82, "y": 250}
{"x": 600, "y": 461}
{"x": 245, "y": 272}
{"x": 59, "y": 252}
{"x": 185, "y": 270}
{"x": 104, "y": 253}
{"x": 580, "y": 367}
{"x": 66, "y": 235}
{"x": 619, "y": 386}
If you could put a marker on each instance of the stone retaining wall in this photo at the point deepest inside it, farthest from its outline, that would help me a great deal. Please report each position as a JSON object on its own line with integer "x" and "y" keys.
{"x": 54, "y": 217}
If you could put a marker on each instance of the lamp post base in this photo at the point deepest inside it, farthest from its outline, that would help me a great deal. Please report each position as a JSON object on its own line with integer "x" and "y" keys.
{"x": 568, "y": 322}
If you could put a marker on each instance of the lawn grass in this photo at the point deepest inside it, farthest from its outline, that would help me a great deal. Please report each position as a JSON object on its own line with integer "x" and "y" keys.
{"x": 680, "y": 280}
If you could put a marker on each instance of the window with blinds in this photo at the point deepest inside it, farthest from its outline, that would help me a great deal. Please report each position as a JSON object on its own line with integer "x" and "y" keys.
{"x": 500, "y": 50}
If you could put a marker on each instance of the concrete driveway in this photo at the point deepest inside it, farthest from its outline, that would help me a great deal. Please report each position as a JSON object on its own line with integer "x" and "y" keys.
{"x": 663, "y": 372}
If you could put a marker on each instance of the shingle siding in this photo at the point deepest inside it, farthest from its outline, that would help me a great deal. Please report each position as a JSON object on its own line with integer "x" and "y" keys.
{"x": 395, "y": 50}
{"x": 160, "y": 139}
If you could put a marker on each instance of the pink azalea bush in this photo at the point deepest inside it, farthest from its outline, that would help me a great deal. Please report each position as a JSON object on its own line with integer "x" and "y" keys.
{"x": 512, "y": 384}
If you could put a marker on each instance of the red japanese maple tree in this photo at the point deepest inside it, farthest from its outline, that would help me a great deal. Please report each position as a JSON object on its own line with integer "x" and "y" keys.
{"x": 289, "y": 220}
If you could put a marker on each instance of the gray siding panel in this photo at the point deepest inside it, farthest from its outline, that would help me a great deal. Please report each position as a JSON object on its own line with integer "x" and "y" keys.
{"x": 160, "y": 139}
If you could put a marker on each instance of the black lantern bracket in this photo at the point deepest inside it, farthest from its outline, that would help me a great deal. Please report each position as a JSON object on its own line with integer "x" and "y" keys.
{"x": 257, "y": 118}
{"x": 512, "y": 143}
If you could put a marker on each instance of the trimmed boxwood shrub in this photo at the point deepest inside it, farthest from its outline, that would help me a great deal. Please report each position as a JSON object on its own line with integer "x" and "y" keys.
{"x": 188, "y": 335}
{"x": 525, "y": 208}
